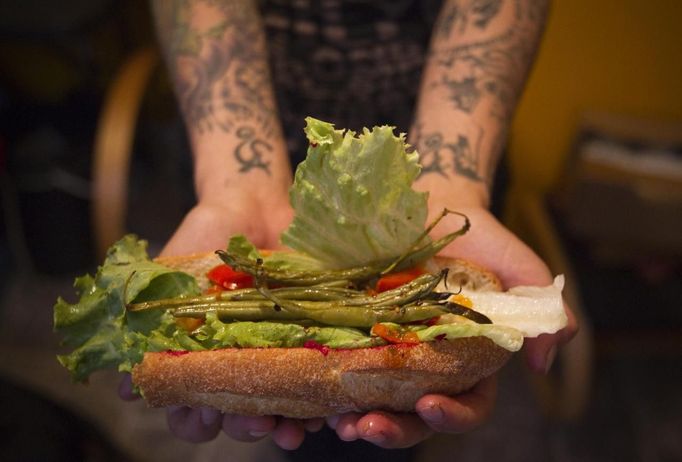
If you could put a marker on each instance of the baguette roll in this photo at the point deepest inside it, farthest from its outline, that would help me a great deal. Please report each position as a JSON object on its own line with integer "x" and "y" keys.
{"x": 310, "y": 382}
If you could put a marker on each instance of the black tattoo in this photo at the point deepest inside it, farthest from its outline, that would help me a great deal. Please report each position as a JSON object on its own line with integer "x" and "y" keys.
{"x": 430, "y": 150}
{"x": 483, "y": 11}
{"x": 466, "y": 157}
{"x": 250, "y": 152}
{"x": 446, "y": 21}
{"x": 220, "y": 69}
{"x": 444, "y": 158}
{"x": 457, "y": 16}
{"x": 480, "y": 55}
{"x": 463, "y": 93}
{"x": 493, "y": 67}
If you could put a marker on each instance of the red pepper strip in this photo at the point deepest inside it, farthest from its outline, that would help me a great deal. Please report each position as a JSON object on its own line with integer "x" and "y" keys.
{"x": 225, "y": 277}
{"x": 394, "y": 335}
{"x": 394, "y": 280}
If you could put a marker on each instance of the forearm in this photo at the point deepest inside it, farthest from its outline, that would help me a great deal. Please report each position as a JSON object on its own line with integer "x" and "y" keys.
{"x": 477, "y": 65}
{"x": 216, "y": 53}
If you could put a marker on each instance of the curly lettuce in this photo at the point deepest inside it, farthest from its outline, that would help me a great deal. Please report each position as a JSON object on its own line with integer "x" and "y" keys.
{"x": 99, "y": 329}
{"x": 353, "y": 198}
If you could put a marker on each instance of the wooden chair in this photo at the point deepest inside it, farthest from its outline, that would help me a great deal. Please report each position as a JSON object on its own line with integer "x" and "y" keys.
{"x": 113, "y": 147}
{"x": 563, "y": 394}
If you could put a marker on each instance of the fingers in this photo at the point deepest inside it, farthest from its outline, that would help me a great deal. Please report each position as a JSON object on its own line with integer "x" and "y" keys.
{"x": 434, "y": 413}
{"x": 204, "y": 424}
{"x": 193, "y": 425}
{"x": 541, "y": 351}
{"x": 460, "y": 413}
{"x": 245, "y": 428}
{"x": 381, "y": 428}
{"x": 313, "y": 425}
{"x": 288, "y": 434}
{"x": 125, "y": 389}
{"x": 345, "y": 425}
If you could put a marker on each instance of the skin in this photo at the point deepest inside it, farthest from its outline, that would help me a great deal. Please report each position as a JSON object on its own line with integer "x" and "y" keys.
{"x": 479, "y": 58}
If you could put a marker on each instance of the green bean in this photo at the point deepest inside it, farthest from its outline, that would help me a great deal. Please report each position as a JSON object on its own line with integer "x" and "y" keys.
{"x": 308, "y": 298}
{"x": 167, "y": 303}
{"x": 416, "y": 289}
{"x": 366, "y": 272}
{"x": 311, "y": 293}
{"x": 263, "y": 311}
{"x": 456, "y": 308}
{"x": 333, "y": 315}
{"x": 367, "y": 317}
{"x": 415, "y": 256}
{"x": 312, "y": 299}
{"x": 301, "y": 278}
{"x": 361, "y": 315}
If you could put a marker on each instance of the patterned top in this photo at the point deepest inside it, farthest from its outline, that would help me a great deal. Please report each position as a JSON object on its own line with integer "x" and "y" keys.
{"x": 355, "y": 63}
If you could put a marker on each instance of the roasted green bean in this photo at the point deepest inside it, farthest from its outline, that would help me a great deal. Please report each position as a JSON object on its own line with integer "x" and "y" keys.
{"x": 333, "y": 315}
{"x": 312, "y": 293}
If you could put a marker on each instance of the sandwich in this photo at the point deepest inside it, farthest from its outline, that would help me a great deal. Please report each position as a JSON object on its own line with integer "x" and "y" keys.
{"x": 358, "y": 313}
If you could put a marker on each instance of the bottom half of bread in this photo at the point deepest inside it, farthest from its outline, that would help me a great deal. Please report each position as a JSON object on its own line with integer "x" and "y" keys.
{"x": 306, "y": 383}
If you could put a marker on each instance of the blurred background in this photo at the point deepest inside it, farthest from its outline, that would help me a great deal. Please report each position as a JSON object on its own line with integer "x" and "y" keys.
{"x": 595, "y": 158}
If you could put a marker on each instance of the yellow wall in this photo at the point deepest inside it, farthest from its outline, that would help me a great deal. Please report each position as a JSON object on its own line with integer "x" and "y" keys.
{"x": 622, "y": 56}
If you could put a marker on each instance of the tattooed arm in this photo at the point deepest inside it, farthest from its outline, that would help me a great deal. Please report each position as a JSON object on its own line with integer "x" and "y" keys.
{"x": 217, "y": 56}
{"x": 216, "y": 52}
{"x": 480, "y": 54}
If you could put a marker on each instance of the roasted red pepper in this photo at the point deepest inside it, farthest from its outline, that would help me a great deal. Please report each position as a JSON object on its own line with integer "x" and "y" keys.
{"x": 394, "y": 335}
{"x": 394, "y": 280}
{"x": 226, "y": 278}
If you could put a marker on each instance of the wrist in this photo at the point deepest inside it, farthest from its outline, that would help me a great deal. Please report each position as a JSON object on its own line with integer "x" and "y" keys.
{"x": 454, "y": 193}
{"x": 225, "y": 172}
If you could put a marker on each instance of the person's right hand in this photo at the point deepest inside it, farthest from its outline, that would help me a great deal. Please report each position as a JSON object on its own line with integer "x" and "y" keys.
{"x": 207, "y": 227}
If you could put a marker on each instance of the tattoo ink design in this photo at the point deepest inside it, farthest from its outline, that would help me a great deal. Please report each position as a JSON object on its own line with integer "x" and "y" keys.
{"x": 220, "y": 68}
{"x": 466, "y": 157}
{"x": 457, "y": 16}
{"x": 445, "y": 158}
{"x": 447, "y": 20}
{"x": 483, "y": 11}
{"x": 464, "y": 93}
{"x": 494, "y": 67}
{"x": 430, "y": 148}
{"x": 250, "y": 152}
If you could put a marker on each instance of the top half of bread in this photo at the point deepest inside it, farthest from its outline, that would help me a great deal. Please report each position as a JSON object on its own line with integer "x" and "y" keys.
{"x": 461, "y": 272}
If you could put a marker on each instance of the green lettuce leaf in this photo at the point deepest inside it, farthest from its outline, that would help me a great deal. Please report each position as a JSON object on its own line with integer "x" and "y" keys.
{"x": 98, "y": 328}
{"x": 353, "y": 199}
{"x": 506, "y": 337}
{"x": 266, "y": 334}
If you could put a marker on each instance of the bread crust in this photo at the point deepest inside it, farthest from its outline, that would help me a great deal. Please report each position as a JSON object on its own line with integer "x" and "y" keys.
{"x": 306, "y": 382}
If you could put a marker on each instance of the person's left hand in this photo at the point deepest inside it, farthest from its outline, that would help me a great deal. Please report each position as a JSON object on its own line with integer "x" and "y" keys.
{"x": 492, "y": 246}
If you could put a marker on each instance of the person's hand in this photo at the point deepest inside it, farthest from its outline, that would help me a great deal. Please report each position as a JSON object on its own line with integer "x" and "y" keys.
{"x": 205, "y": 228}
{"x": 492, "y": 246}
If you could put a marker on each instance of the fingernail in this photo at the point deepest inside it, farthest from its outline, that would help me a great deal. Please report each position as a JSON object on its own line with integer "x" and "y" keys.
{"x": 332, "y": 421}
{"x": 432, "y": 413}
{"x": 549, "y": 359}
{"x": 370, "y": 433}
{"x": 209, "y": 416}
{"x": 347, "y": 432}
{"x": 258, "y": 434}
